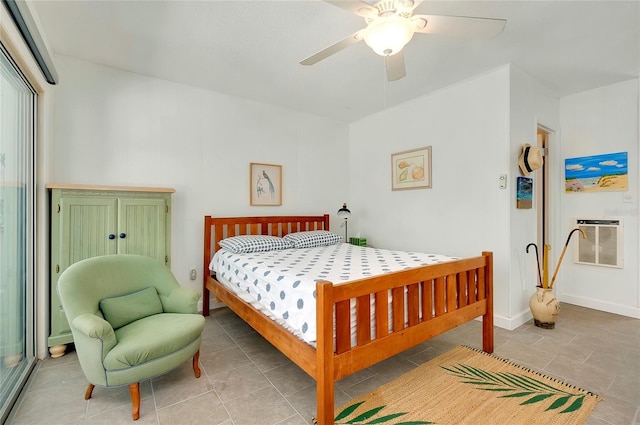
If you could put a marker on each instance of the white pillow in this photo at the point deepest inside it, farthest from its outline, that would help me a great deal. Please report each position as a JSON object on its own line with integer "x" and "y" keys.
{"x": 254, "y": 243}
{"x": 312, "y": 238}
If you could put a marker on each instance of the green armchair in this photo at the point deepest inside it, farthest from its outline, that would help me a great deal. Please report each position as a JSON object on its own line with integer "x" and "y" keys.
{"x": 130, "y": 321}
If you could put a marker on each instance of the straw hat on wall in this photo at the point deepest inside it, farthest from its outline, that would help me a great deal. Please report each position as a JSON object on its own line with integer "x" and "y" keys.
{"x": 530, "y": 159}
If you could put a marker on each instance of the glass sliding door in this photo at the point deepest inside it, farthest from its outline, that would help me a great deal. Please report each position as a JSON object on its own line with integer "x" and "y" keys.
{"x": 17, "y": 183}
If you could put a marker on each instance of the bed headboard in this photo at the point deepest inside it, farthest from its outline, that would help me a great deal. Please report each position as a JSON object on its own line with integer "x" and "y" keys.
{"x": 218, "y": 228}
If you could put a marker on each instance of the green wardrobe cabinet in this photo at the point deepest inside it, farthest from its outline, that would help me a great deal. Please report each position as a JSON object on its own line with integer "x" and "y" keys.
{"x": 89, "y": 221}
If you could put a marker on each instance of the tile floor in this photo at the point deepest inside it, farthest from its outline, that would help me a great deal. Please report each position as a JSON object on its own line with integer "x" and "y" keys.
{"x": 246, "y": 381}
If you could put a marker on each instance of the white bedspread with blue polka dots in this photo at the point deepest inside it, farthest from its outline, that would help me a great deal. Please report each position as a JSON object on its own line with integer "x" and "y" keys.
{"x": 282, "y": 283}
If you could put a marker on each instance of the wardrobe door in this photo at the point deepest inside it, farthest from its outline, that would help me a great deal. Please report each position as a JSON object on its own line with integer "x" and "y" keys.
{"x": 141, "y": 227}
{"x": 81, "y": 227}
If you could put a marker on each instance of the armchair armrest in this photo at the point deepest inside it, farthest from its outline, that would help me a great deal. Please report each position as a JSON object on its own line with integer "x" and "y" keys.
{"x": 93, "y": 326}
{"x": 181, "y": 300}
{"x": 94, "y": 337}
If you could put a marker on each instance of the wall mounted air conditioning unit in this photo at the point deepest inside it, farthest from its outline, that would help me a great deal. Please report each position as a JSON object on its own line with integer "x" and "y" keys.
{"x": 604, "y": 242}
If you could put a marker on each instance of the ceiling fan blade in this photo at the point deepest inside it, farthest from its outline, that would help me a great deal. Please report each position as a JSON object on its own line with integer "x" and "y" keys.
{"x": 356, "y": 7}
{"x": 395, "y": 66}
{"x": 334, "y": 48}
{"x": 459, "y": 26}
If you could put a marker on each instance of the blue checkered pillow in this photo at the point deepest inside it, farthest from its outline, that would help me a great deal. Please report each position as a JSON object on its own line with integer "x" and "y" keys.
{"x": 254, "y": 243}
{"x": 313, "y": 238}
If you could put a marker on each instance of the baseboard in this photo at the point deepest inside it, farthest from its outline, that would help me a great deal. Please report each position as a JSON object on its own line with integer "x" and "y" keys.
{"x": 212, "y": 305}
{"x": 623, "y": 310}
{"x": 522, "y": 318}
{"x": 511, "y": 323}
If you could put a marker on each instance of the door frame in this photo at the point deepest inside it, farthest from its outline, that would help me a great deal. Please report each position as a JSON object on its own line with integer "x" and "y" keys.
{"x": 542, "y": 189}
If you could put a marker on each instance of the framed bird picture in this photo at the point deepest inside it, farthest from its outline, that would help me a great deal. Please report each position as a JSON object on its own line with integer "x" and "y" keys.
{"x": 266, "y": 184}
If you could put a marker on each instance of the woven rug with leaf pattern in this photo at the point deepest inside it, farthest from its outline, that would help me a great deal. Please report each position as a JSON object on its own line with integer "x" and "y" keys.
{"x": 467, "y": 386}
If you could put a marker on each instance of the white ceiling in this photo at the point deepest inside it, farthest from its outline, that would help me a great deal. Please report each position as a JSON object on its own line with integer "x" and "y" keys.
{"x": 252, "y": 49}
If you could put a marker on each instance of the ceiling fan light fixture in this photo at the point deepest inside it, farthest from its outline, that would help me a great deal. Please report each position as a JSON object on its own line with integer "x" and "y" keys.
{"x": 388, "y": 35}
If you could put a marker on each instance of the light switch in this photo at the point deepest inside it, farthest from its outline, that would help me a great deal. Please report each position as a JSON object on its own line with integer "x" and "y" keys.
{"x": 502, "y": 181}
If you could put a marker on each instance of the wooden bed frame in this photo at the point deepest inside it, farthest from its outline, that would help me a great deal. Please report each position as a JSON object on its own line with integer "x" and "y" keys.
{"x": 455, "y": 292}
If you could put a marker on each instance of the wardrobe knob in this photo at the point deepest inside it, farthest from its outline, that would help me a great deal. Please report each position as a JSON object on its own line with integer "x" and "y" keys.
{"x": 123, "y": 235}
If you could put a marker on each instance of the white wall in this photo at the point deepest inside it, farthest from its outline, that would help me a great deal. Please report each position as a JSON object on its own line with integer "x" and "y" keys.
{"x": 464, "y": 212}
{"x": 600, "y": 121}
{"x": 531, "y": 105}
{"x": 476, "y": 129}
{"x": 118, "y": 128}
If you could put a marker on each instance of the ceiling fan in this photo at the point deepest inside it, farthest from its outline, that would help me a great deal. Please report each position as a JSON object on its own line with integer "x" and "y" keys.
{"x": 391, "y": 25}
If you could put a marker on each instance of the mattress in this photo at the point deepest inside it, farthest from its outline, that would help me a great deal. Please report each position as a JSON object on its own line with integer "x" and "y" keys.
{"x": 282, "y": 283}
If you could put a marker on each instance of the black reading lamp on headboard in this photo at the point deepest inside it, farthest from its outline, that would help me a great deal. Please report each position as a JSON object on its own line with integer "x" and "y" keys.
{"x": 344, "y": 213}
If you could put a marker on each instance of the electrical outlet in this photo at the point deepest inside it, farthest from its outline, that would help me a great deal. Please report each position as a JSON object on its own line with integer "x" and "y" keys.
{"x": 193, "y": 274}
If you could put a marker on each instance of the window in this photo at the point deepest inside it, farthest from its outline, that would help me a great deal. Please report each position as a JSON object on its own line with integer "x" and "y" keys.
{"x": 17, "y": 230}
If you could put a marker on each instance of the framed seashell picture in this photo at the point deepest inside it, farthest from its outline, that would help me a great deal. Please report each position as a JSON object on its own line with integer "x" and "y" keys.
{"x": 411, "y": 169}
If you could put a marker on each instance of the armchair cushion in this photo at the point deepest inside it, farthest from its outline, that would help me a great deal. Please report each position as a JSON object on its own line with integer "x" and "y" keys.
{"x": 152, "y": 339}
{"x": 124, "y": 309}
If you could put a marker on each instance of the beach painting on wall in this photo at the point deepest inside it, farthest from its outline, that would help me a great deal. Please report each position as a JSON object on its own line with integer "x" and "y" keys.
{"x": 524, "y": 193}
{"x": 596, "y": 173}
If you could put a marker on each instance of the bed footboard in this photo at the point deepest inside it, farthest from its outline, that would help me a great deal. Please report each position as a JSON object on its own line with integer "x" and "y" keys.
{"x": 425, "y": 302}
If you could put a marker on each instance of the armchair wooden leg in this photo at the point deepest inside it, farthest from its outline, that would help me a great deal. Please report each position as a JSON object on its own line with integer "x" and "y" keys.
{"x": 134, "y": 389}
{"x": 196, "y": 366}
{"x": 87, "y": 395}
